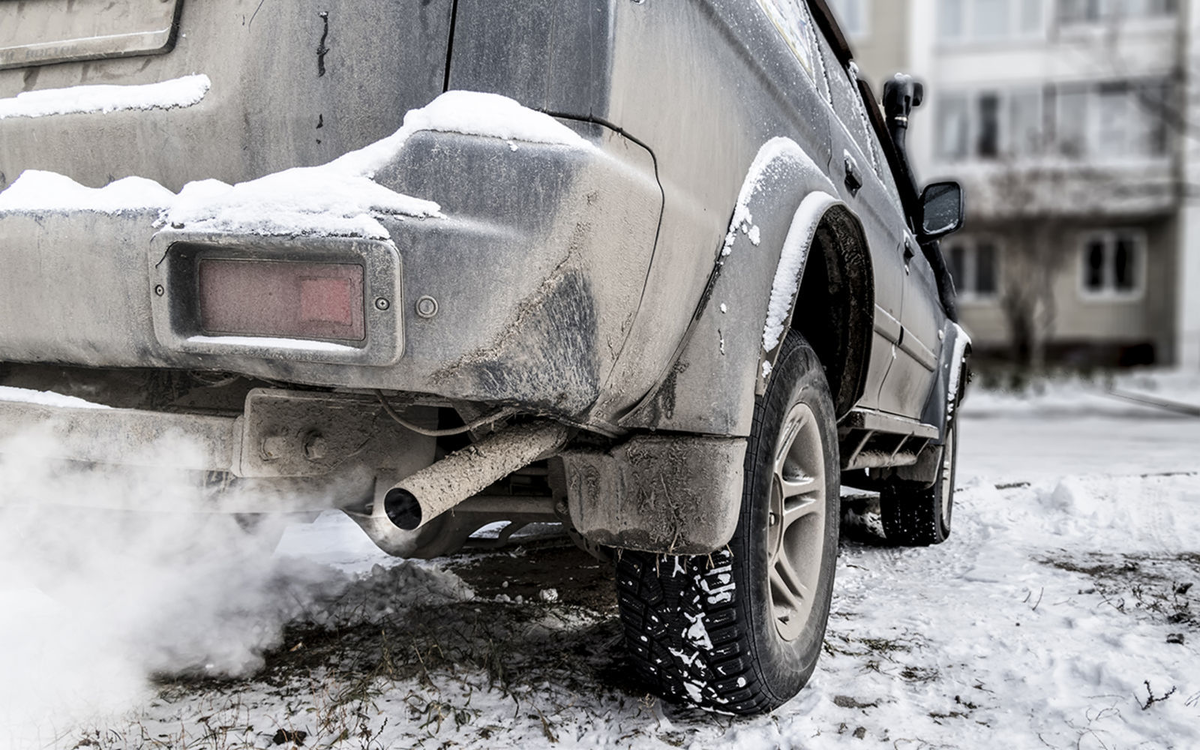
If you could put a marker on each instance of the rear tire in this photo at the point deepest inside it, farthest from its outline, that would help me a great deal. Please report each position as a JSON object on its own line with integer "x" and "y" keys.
{"x": 921, "y": 517}
{"x": 740, "y": 631}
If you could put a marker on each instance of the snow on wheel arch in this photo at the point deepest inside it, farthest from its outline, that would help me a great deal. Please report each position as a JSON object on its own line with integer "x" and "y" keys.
{"x": 791, "y": 264}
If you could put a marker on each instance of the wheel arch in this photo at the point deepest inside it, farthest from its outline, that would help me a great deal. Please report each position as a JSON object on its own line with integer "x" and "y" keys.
{"x": 787, "y": 208}
{"x": 833, "y": 305}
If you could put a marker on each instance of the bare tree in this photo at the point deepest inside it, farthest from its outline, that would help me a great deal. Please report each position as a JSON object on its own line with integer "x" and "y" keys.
{"x": 1032, "y": 259}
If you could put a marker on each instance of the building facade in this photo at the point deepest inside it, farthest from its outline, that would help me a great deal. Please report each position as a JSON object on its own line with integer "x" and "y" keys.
{"x": 1075, "y": 126}
{"x": 878, "y": 31}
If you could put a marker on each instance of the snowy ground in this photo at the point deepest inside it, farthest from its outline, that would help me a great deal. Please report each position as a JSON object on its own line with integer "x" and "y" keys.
{"x": 1059, "y": 615}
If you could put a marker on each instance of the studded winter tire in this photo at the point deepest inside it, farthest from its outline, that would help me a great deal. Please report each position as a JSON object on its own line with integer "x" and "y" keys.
{"x": 740, "y": 631}
{"x": 920, "y": 517}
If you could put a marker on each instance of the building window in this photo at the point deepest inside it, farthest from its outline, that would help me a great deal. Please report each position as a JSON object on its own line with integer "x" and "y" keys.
{"x": 1107, "y": 121}
{"x": 1025, "y": 122}
{"x": 1081, "y": 12}
{"x": 1113, "y": 120}
{"x": 1112, "y": 264}
{"x": 953, "y": 127}
{"x": 989, "y": 124}
{"x": 989, "y": 20}
{"x": 974, "y": 264}
{"x": 854, "y": 16}
{"x": 952, "y": 22}
{"x": 1072, "y": 123}
{"x": 988, "y": 144}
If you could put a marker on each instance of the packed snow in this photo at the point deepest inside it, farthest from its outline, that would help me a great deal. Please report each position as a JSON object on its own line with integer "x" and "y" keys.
{"x": 340, "y": 198}
{"x": 1060, "y": 614}
{"x": 962, "y": 340}
{"x": 791, "y": 264}
{"x": 36, "y": 190}
{"x": 45, "y": 398}
{"x": 465, "y": 113}
{"x": 770, "y": 156}
{"x": 173, "y": 94}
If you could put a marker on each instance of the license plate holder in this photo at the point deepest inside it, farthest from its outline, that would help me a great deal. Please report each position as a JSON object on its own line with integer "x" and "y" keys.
{"x": 41, "y": 32}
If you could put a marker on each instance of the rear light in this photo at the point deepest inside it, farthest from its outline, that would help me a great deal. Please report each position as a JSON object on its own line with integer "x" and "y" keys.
{"x": 288, "y": 298}
{"x": 282, "y": 298}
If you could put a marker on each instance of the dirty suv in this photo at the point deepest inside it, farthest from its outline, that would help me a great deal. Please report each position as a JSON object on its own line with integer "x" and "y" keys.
{"x": 656, "y": 271}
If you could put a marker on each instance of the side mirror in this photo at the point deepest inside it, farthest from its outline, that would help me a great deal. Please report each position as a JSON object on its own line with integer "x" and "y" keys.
{"x": 943, "y": 207}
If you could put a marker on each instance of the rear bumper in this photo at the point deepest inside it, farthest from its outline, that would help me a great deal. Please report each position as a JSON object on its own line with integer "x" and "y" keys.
{"x": 536, "y": 262}
{"x": 288, "y": 451}
{"x": 292, "y": 451}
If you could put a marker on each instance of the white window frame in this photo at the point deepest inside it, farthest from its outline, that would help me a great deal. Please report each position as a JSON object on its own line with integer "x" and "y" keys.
{"x": 1109, "y": 292}
{"x": 1004, "y": 145}
{"x": 970, "y": 246}
{"x": 1093, "y": 150}
{"x": 1132, "y": 147}
{"x": 1015, "y": 32}
{"x": 1109, "y": 15}
{"x": 1010, "y": 137}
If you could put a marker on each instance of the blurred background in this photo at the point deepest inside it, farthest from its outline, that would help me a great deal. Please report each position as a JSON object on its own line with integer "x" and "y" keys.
{"x": 1075, "y": 127}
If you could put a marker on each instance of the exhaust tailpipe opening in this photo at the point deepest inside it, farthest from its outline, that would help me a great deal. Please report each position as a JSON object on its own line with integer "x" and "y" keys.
{"x": 402, "y": 509}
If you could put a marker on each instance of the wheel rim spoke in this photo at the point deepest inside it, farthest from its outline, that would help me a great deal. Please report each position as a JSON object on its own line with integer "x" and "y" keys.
{"x": 797, "y": 510}
{"x": 788, "y": 439}
{"x": 790, "y": 587}
{"x": 799, "y": 487}
{"x": 789, "y": 604}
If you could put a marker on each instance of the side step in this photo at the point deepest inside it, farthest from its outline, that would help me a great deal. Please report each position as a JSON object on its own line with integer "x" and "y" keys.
{"x": 872, "y": 440}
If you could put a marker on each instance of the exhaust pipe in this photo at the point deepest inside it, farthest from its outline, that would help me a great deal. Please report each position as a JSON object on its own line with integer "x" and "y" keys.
{"x": 422, "y": 497}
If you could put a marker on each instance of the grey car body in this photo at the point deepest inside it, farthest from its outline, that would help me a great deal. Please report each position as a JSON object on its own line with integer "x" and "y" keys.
{"x": 601, "y": 314}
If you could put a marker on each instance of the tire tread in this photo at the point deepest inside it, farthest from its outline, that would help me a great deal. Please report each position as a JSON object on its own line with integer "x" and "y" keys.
{"x": 657, "y": 590}
{"x": 720, "y": 667}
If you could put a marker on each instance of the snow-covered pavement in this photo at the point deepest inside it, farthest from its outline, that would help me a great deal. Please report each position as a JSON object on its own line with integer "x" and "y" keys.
{"x": 1059, "y": 614}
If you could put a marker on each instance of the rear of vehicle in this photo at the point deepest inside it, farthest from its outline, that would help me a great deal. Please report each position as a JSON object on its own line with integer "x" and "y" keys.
{"x": 408, "y": 257}
{"x": 439, "y": 266}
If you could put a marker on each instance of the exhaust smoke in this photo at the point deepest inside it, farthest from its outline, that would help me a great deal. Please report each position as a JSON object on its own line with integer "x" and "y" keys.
{"x": 94, "y": 602}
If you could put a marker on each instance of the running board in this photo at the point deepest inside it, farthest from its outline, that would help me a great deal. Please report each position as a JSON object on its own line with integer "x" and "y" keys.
{"x": 874, "y": 440}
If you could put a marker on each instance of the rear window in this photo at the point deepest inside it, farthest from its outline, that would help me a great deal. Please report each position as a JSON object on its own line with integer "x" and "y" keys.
{"x": 796, "y": 27}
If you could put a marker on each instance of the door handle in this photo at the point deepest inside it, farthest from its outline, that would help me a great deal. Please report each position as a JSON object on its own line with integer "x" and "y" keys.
{"x": 908, "y": 255}
{"x": 854, "y": 180}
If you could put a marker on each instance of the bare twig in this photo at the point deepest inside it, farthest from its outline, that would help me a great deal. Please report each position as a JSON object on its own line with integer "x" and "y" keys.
{"x": 1152, "y": 699}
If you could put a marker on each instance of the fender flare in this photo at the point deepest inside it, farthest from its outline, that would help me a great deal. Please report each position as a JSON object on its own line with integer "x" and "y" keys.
{"x": 722, "y": 362}
{"x": 946, "y": 394}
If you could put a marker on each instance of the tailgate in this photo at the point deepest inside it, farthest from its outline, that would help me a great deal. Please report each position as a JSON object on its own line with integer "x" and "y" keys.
{"x": 287, "y": 83}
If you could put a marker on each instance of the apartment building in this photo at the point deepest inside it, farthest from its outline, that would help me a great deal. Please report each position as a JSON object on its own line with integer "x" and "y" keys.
{"x": 1075, "y": 125}
{"x": 879, "y": 32}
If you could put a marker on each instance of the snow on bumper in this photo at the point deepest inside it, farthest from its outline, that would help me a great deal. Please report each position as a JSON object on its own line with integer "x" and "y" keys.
{"x": 525, "y": 242}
